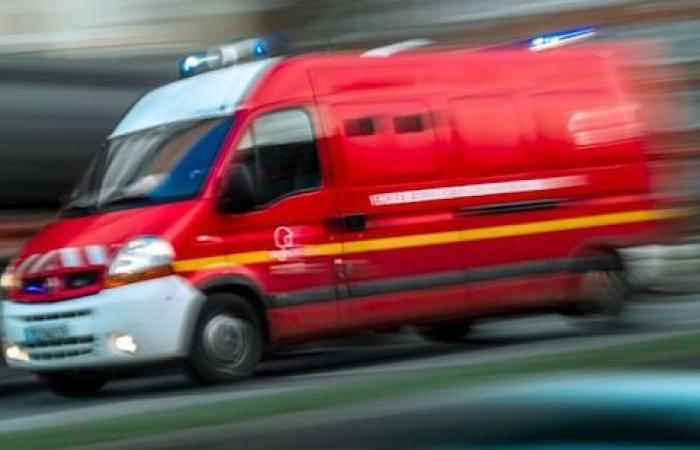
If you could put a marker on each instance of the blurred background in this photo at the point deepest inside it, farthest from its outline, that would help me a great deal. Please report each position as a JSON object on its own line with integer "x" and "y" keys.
{"x": 70, "y": 68}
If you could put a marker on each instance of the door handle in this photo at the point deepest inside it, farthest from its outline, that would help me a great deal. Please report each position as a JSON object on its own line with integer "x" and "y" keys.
{"x": 354, "y": 222}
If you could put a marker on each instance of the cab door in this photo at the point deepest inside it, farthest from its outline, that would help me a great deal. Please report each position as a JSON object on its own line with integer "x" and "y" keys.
{"x": 401, "y": 259}
{"x": 285, "y": 242}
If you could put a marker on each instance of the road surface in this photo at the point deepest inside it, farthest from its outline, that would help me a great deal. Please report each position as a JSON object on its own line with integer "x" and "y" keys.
{"x": 29, "y": 406}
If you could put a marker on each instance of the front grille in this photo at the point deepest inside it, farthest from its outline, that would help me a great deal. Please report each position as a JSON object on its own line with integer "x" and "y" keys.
{"x": 56, "y": 316}
{"x": 80, "y": 280}
{"x": 61, "y": 342}
{"x": 67, "y": 347}
{"x": 58, "y": 354}
{"x": 46, "y": 285}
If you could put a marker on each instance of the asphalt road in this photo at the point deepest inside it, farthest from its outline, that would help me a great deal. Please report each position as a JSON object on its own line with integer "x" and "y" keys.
{"x": 331, "y": 362}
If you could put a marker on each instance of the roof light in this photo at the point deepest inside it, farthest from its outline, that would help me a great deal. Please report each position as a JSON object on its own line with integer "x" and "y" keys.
{"x": 227, "y": 55}
{"x": 260, "y": 49}
{"x": 196, "y": 63}
{"x": 560, "y": 38}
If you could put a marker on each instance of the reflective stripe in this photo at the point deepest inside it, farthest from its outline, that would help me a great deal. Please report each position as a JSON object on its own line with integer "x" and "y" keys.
{"x": 71, "y": 257}
{"x": 25, "y": 264}
{"x": 475, "y": 190}
{"x": 446, "y": 237}
{"x": 42, "y": 262}
{"x": 96, "y": 255}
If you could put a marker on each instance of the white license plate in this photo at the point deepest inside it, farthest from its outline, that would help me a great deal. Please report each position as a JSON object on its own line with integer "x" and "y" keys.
{"x": 45, "y": 333}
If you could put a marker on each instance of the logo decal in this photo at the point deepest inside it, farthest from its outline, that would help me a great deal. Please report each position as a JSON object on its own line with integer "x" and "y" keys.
{"x": 284, "y": 240}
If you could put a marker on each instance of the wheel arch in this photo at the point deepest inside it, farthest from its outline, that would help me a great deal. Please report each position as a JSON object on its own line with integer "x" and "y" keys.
{"x": 241, "y": 286}
{"x": 597, "y": 255}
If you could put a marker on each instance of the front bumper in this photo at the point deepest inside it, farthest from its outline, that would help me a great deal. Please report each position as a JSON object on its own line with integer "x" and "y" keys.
{"x": 157, "y": 314}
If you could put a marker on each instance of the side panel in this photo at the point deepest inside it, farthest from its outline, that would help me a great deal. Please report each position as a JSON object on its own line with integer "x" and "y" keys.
{"x": 547, "y": 174}
{"x": 382, "y": 147}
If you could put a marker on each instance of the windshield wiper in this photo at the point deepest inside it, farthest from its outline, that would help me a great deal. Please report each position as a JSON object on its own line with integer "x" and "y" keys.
{"x": 126, "y": 200}
{"x": 76, "y": 211}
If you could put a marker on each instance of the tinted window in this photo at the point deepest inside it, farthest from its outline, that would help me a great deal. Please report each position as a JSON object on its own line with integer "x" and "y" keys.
{"x": 279, "y": 151}
{"x": 359, "y": 127}
{"x": 402, "y": 148}
{"x": 409, "y": 124}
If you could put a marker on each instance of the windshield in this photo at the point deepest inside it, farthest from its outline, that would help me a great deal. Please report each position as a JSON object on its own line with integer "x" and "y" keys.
{"x": 165, "y": 163}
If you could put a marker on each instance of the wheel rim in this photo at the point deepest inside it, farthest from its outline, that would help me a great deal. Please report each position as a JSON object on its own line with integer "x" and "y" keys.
{"x": 227, "y": 338}
{"x": 601, "y": 289}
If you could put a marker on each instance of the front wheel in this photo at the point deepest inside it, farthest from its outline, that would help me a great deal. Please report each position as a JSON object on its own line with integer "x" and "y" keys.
{"x": 76, "y": 384}
{"x": 228, "y": 340}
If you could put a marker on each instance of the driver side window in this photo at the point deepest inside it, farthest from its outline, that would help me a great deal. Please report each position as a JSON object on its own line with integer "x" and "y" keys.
{"x": 279, "y": 153}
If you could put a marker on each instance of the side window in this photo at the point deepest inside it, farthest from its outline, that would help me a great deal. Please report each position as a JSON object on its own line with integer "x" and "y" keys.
{"x": 279, "y": 151}
{"x": 409, "y": 124}
{"x": 386, "y": 142}
{"x": 360, "y": 127}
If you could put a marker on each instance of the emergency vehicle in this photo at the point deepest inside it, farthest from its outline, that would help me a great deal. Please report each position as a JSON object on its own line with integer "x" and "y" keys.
{"x": 269, "y": 201}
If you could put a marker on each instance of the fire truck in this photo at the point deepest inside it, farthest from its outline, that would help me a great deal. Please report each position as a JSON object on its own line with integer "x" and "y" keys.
{"x": 265, "y": 201}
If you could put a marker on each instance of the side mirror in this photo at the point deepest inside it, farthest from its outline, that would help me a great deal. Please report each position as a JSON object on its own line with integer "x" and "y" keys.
{"x": 238, "y": 191}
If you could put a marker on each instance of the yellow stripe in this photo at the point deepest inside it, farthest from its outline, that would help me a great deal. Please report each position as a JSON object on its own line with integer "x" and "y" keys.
{"x": 323, "y": 249}
{"x": 187, "y": 265}
{"x": 214, "y": 262}
{"x": 549, "y": 226}
{"x": 446, "y": 237}
{"x": 416, "y": 240}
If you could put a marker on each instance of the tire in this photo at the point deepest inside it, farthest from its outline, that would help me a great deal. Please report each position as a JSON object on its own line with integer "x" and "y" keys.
{"x": 228, "y": 341}
{"x": 76, "y": 384}
{"x": 449, "y": 332}
{"x": 603, "y": 295}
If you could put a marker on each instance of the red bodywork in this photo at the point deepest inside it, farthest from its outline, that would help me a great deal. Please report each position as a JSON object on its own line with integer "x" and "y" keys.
{"x": 469, "y": 119}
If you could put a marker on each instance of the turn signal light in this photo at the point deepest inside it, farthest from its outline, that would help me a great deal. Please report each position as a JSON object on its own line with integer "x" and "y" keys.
{"x": 116, "y": 280}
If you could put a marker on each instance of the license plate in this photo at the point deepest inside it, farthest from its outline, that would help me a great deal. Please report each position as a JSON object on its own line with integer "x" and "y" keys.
{"x": 48, "y": 333}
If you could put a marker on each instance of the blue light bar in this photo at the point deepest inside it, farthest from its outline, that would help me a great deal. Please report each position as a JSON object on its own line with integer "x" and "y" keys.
{"x": 229, "y": 54}
{"x": 560, "y": 38}
{"x": 196, "y": 63}
{"x": 260, "y": 49}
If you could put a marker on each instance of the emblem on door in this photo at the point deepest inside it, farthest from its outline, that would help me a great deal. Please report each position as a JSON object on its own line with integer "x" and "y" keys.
{"x": 287, "y": 248}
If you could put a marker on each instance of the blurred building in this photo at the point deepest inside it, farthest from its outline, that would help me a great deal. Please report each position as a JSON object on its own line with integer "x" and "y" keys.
{"x": 85, "y": 27}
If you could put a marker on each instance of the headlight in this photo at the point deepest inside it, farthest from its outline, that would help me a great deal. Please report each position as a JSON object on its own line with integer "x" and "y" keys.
{"x": 8, "y": 281}
{"x": 140, "y": 259}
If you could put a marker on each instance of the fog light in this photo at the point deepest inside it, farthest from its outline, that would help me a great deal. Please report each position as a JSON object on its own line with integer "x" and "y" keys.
{"x": 125, "y": 343}
{"x": 16, "y": 353}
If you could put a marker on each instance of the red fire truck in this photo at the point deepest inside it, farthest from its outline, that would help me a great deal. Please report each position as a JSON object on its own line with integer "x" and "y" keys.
{"x": 278, "y": 200}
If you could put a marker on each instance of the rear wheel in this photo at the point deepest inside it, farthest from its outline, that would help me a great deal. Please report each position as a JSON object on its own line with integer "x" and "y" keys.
{"x": 448, "y": 332}
{"x": 75, "y": 384}
{"x": 228, "y": 340}
{"x": 603, "y": 295}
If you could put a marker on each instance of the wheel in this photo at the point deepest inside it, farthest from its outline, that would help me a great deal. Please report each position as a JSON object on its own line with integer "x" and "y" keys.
{"x": 228, "y": 340}
{"x": 448, "y": 332}
{"x": 77, "y": 384}
{"x": 603, "y": 295}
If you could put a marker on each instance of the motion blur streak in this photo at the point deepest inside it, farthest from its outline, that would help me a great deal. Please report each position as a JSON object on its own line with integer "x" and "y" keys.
{"x": 70, "y": 69}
